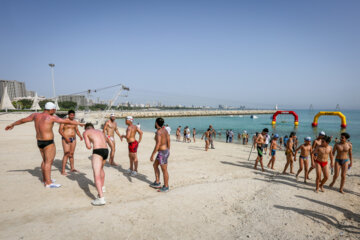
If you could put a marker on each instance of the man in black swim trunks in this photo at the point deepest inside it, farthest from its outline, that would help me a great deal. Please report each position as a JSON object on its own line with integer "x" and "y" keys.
{"x": 260, "y": 141}
{"x": 44, "y": 123}
{"x": 100, "y": 153}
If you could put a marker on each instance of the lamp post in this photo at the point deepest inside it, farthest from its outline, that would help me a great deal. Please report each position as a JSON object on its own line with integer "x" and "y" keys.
{"x": 51, "y": 65}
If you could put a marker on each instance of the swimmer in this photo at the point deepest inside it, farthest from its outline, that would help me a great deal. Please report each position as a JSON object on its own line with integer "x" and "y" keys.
{"x": 272, "y": 152}
{"x": 323, "y": 152}
{"x": 44, "y": 123}
{"x": 342, "y": 164}
{"x": 100, "y": 153}
{"x": 68, "y": 133}
{"x": 289, "y": 153}
{"x": 317, "y": 142}
{"x": 109, "y": 129}
{"x": 260, "y": 141}
{"x": 306, "y": 153}
{"x": 207, "y": 137}
{"x": 132, "y": 144}
{"x": 162, "y": 148}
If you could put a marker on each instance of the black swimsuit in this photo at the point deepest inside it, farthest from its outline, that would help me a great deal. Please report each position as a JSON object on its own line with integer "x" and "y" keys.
{"x": 103, "y": 152}
{"x": 44, "y": 143}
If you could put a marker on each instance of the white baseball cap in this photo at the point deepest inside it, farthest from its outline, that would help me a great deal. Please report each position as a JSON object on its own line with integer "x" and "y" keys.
{"x": 50, "y": 106}
{"x": 130, "y": 118}
{"x": 322, "y": 133}
{"x": 112, "y": 115}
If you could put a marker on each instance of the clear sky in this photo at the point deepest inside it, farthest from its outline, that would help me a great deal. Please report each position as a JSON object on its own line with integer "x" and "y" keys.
{"x": 254, "y": 53}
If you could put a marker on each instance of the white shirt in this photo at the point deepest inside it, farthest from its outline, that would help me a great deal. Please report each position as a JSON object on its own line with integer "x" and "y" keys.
{"x": 267, "y": 140}
{"x": 168, "y": 129}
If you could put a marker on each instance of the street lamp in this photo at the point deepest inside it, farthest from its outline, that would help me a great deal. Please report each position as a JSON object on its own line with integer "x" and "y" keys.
{"x": 51, "y": 65}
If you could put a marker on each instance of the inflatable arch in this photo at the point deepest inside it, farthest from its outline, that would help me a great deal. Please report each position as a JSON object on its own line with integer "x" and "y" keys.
{"x": 296, "y": 117}
{"x": 342, "y": 116}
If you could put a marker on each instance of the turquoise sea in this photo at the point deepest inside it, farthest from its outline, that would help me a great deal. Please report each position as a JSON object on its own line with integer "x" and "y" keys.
{"x": 285, "y": 124}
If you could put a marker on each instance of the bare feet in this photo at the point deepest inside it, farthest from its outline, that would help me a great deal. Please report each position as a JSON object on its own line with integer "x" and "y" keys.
{"x": 322, "y": 189}
{"x": 305, "y": 181}
{"x": 341, "y": 191}
{"x": 285, "y": 173}
{"x": 297, "y": 177}
{"x": 317, "y": 190}
{"x": 64, "y": 173}
{"x": 331, "y": 185}
{"x": 292, "y": 173}
{"x": 113, "y": 164}
{"x": 73, "y": 170}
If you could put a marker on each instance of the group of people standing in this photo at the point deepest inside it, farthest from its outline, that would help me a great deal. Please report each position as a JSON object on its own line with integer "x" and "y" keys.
{"x": 316, "y": 153}
{"x": 186, "y": 134}
{"x": 98, "y": 141}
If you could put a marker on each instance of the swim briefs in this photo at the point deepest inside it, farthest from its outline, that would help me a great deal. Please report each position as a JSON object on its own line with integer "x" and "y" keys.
{"x": 103, "y": 152}
{"x": 71, "y": 139}
{"x": 111, "y": 138}
{"x": 304, "y": 158}
{"x": 133, "y": 146}
{"x": 322, "y": 164}
{"x": 341, "y": 161}
{"x": 163, "y": 156}
{"x": 44, "y": 143}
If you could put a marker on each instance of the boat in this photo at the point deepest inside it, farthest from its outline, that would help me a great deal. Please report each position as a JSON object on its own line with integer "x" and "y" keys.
{"x": 254, "y": 117}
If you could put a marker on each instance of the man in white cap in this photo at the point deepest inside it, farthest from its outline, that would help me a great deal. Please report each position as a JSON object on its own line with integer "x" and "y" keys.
{"x": 133, "y": 144}
{"x": 316, "y": 143}
{"x": 110, "y": 128}
{"x": 44, "y": 123}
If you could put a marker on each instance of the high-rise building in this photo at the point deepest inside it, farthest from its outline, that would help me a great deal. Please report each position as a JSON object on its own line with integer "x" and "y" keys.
{"x": 14, "y": 88}
{"x": 79, "y": 99}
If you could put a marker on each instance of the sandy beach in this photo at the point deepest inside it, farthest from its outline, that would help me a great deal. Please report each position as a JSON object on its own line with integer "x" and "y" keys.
{"x": 213, "y": 195}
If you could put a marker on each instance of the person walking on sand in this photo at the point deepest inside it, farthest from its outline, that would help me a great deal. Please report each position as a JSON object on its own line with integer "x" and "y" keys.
{"x": 168, "y": 129}
{"x": 212, "y": 136}
{"x": 289, "y": 153}
{"x": 109, "y": 129}
{"x": 280, "y": 142}
{"x": 188, "y": 139}
{"x": 133, "y": 144}
{"x": 231, "y": 135}
{"x": 98, "y": 140}
{"x": 342, "y": 164}
{"x": 306, "y": 152}
{"x": 44, "y": 123}
{"x": 272, "y": 152}
{"x": 267, "y": 141}
{"x": 207, "y": 138}
{"x": 194, "y": 133}
{"x": 178, "y": 134}
{"x": 323, "y": 152}
{"x": 162, "y": 148}
{"x": 317, "y": 142}
{"x": 68, "y": 133}
{"x": 260, "y": 140}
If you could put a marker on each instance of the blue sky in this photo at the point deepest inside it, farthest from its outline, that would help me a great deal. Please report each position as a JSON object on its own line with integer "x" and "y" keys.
{"x": 253, "y": 53}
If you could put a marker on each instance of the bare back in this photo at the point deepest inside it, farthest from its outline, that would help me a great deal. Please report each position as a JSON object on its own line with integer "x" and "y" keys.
{"x": 131, "y": 132}
{"x": 163, "y": 139}
{"x": 96, "y": 138}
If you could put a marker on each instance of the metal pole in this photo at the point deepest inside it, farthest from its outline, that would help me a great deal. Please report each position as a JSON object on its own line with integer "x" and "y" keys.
{"x": 53, "y": 78}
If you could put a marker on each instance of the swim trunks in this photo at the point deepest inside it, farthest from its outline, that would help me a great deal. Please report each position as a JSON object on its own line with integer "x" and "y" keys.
{"x": 341, "y": 161}
{"x": 133, "y": 146}
{"x": 111, "y": 138}
{"x": 71, "y": 139}
{"x": 163, "y": 156}
{"x": 273, "y": 152}
{"x": 322, "y": 164}
{"x": 287, "y": 152}
{"x": 44, "y": 143}
{"x": 103, "y": 152}
{"x": 260, "y": 151}
{"x": 304, "y": 158}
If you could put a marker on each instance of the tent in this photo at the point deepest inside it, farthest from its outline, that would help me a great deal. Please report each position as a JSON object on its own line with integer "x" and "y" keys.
{"x": 5, "y": 103}
{"x": 57, "y": 104}
{"x": 35, "y": 105}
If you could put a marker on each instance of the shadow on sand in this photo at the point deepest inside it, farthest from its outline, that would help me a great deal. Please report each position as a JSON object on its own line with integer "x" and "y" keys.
{"x": 126, "y": 174}
{"x": 325, "y": 218}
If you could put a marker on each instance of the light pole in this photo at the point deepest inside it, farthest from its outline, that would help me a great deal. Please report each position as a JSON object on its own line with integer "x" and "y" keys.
{"x": 53, "y": 78}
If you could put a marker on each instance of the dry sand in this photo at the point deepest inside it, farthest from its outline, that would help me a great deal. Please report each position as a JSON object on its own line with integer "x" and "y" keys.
{"x": 213, "y": 195}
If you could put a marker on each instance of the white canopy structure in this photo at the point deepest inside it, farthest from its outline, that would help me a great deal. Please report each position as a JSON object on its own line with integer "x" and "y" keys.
{"x": 35, "y": 106}
{"x": 5, "y": 103}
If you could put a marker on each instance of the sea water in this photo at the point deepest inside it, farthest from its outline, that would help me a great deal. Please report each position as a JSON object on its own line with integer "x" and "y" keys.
{"x": 285, "y": 124}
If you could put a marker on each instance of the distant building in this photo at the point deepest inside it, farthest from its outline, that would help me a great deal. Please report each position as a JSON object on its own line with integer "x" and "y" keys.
{"x": 79, "y": 99}
{"x": 30, "y": 93}
{"x": 14, "y": 89}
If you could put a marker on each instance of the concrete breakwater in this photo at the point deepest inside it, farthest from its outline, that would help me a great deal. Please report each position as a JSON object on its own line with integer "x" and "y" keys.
{"x": 179, "y": 113}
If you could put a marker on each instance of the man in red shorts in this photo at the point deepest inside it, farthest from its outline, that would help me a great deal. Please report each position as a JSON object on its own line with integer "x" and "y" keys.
{"x": 133, "y": 144}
